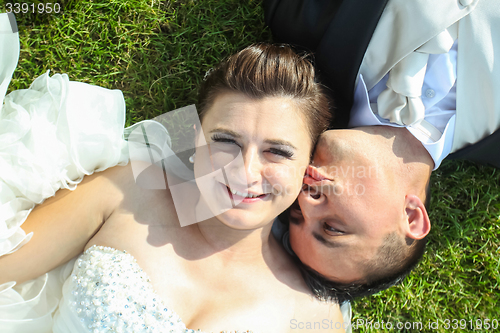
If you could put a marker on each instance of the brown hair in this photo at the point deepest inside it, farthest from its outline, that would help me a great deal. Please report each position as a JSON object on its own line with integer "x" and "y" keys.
{"x": 270, "y": 70}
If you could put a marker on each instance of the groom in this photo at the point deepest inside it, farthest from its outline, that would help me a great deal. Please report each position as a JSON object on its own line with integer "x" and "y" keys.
{"x": 413, "y": 84}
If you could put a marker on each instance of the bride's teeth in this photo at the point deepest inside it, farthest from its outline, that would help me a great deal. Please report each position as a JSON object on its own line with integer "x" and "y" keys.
{"x": 246, "y": 195}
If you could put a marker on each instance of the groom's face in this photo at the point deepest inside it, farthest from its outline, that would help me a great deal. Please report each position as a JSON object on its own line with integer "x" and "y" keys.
{"x": 349, "y": 205}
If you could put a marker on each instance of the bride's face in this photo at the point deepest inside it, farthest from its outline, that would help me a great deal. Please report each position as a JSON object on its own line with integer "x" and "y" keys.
{"x": 253, "y": 166}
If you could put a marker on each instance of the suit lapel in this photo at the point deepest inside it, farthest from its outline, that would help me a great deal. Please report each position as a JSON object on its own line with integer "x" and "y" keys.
{"x": 484, "y": 151}
{"x": 342, "y": 47}
{"x": 403, "y": 27}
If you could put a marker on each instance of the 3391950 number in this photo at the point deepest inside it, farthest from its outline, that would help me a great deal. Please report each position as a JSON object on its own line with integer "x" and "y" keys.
{"x": 480, "y": 324}
{"x": 26, "y": 7}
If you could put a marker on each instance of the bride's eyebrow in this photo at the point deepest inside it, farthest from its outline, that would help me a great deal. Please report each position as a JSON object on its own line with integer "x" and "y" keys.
{"x": 225, "y": 131}
{"x": 278, "y": 142}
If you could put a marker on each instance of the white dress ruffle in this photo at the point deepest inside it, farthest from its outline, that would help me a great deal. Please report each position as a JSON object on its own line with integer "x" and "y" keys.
{"x": 51, "y": 136}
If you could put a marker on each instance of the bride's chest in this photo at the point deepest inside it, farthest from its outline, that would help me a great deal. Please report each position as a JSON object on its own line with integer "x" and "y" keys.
{"x": 208, "y": 299}
{"x": 110, "y": 290}
{"x": 165, "y": 275}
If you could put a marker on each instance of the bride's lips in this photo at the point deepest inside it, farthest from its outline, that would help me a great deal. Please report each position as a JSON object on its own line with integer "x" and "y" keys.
{"x": 237, "y": 197}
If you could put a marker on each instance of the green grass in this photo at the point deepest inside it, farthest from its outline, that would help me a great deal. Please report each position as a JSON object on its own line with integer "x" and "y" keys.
{"x": 157, "y": 53}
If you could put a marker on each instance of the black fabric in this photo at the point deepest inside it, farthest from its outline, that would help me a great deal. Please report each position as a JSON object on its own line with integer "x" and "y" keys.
{"x": 342, "y": 49}
{"x": 300, "y": 22}
{"x": 486, "y": 151}
{"x": 337, "y": 31}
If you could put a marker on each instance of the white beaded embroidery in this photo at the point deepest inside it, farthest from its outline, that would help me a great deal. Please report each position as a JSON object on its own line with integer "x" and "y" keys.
{"x": 111, "y": 293}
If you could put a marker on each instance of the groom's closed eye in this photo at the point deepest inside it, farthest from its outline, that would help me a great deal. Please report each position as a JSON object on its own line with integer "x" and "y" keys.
{"x": 331, "y": 230}
{"x": 331, "y": 243}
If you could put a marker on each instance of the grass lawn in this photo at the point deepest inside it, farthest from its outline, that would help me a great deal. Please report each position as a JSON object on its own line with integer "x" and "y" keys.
{"x": 157, "y": 53}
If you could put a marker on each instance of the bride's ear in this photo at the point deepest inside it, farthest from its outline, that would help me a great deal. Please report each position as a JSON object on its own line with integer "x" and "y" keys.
{"x": 419, "y": 224}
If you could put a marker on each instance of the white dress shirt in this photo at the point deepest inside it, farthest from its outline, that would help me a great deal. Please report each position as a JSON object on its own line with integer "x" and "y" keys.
{"x": 437, "y": 128}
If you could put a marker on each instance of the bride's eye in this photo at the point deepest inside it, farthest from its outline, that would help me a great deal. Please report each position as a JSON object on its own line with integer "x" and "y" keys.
{"x": 224, "y": 139}
{"x": 281, "y": 152}
{"x": 331, "y": 230}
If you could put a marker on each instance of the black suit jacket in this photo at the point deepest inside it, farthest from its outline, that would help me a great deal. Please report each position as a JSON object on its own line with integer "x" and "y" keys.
{"x": 338, "y": 32}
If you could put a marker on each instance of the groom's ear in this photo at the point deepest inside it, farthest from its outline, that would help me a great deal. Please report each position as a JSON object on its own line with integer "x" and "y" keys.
{"x": 419, "y": 224}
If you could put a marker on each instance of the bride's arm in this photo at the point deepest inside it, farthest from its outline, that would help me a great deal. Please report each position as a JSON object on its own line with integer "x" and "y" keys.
{"x": 63, "y": 224}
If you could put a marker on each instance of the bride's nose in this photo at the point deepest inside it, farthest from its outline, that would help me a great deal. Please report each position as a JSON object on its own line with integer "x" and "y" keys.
{"x": 253, "y": 166}
{"x": 249, "y": 171}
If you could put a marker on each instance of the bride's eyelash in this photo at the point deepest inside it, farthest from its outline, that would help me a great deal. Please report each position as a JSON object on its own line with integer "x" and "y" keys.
{"x": 282, "y": 152}
{"x": 223, "y": 138}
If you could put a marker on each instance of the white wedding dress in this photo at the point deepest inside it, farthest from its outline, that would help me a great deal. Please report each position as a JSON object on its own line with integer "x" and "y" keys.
{"x": 51, "y": 136}
{"x": 109, "y": 292}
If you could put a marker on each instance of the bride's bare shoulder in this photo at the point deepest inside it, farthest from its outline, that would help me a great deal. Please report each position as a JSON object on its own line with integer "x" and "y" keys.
{"x": 136, "y": 195}
{"x": 118, "y": 177}
{"x": 136, "y": 185}
{"x": 136, "y": 206}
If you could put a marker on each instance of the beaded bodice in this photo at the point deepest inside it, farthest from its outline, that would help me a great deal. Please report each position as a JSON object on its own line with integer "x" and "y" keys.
{"x": 111, "y": 293}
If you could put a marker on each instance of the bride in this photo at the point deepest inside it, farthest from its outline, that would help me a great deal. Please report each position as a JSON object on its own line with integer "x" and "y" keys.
{"x": 137, "y": 269}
